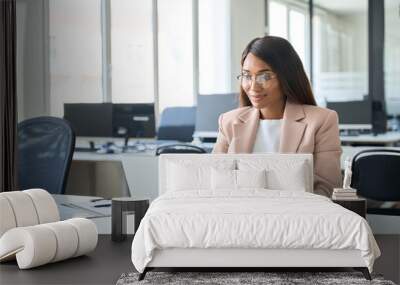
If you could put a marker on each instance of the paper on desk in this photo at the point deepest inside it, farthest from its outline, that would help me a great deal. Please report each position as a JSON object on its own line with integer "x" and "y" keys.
{"x": 69, "y": 212}
{"x": 90, "y": 206}
{"x": 84, "y": 210}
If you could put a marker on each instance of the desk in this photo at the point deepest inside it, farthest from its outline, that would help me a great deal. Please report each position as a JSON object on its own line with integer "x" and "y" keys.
{"x": 386, "y": 139}
{"x": 350, "y": 151}
{"x": 140, "y": 169}
{"x": 80, "y": 206}
{"x": 104, "y": 265}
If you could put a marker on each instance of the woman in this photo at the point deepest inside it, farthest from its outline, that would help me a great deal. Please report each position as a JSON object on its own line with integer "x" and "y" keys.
{"x": 278, "y": 112}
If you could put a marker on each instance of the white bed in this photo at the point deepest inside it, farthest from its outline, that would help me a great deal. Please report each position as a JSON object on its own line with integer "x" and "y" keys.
{"x": 220, "y": 211}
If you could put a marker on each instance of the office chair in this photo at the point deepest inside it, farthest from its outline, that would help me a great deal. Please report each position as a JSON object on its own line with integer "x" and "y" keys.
{"x": 179, "y": 148}
{"x": 376, "y": 174}
{"x": 45, "y": 149}
{"x": 177, "y": 123}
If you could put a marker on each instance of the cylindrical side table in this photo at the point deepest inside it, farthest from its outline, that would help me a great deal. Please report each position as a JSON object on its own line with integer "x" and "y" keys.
{"x": 121, "y": 209}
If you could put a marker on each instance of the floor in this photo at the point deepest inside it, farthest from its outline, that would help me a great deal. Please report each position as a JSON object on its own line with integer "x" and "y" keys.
{"x": 111, "y": 259}
{"x": 103, "y": 266}
{"x": 388, "y": 264}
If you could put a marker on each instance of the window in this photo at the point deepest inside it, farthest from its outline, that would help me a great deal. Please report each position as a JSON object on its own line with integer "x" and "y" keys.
{"x": 132, "y": 51}
{"x": 214, "y": 47}
{"x": 392, "y": 57}
{"x": 278, "y": 19}
{"x": 340, "y": 59}
{"x": 297, "y": 33}
{"x": 75, "y": 53}
{"x": 175, "y": 53}
{"x": 289, "y": 20}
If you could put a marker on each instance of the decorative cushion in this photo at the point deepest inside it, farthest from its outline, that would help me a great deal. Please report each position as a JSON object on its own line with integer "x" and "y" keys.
{"x": 7, "y": 218}
{"x": 236, "y": 179}
{"x": 27, "y": 208}
{"x": 295, "y": 180}
{"x": 40, "y": 244}
{"x": 188, "y": 175}
{"x": 282, "y": 174}
{"x": 67, "y": 237}
{"x": 24, "y": 211}
{"x": 223, "y": 179}
{"x": 31, "y": 232}
{"x": 45, "y": 206}
{"x": 251, "y": 178}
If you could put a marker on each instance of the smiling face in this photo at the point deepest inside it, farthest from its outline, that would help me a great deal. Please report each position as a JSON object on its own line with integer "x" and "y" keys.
{"x": 262, "y": 95}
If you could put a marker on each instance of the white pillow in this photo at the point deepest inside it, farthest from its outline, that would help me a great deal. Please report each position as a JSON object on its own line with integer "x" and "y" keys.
{"x": 223, "y": 179}
{"x": 251, "y": 178}
{"x": 285, "y": 174}
{"x": 237, "y": 179}
{"x": 193, "y": 174}
{"x": 293, "y": 180}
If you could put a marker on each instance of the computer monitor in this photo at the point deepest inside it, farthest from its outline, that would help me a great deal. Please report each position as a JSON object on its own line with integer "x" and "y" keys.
{"x": 353, "y": 115}
{"x": 209, "y": 108}
{"x": 393, "y": 106}
{"x": 89, "y": 119}
{"x": 134, "y": 120}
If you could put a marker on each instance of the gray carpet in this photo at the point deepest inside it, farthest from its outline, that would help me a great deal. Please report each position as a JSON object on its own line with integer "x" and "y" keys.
{"x": 225, "y": 278}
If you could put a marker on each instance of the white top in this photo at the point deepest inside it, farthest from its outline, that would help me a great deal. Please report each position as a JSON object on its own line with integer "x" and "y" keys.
{"x": 268, "y": 136}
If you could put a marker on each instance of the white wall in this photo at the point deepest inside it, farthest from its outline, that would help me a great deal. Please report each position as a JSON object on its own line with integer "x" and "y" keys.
{"x": 31, "y": 59}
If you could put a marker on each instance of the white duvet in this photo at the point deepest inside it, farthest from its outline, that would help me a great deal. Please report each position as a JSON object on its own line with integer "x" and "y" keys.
{"x": 250, "y": 219}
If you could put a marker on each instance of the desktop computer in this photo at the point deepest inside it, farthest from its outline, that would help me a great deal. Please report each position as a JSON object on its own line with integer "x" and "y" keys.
{"x": 134, "y": 120}
{"x": 111, "y": 120}
{"x": 355, "y": 117}
{"x": 209, "y": 108}
{"x": 90, "y": 119}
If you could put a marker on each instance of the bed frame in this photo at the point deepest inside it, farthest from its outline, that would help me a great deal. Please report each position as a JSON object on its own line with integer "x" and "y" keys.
{"x": 240, "y": 259}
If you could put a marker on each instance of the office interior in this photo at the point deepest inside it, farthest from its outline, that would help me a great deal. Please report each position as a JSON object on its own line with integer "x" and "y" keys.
{"x": 121, "y": 71}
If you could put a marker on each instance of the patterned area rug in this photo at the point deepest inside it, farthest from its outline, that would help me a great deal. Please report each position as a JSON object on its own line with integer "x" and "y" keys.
{"x": 229, "y": 278}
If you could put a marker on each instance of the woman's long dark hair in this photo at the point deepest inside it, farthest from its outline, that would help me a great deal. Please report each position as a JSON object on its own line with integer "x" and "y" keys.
{"x": 286, "y": 64}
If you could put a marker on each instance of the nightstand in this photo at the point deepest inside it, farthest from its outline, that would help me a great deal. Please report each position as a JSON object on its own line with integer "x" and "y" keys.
{"x": 125, "y": 207}
{"x": 358, "y": 206}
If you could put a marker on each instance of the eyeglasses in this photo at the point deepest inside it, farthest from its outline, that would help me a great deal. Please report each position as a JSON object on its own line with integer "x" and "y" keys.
{"x": 261, "y": 78}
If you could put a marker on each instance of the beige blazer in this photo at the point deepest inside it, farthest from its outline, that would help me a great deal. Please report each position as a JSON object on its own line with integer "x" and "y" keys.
{"x": 305, "y": 129}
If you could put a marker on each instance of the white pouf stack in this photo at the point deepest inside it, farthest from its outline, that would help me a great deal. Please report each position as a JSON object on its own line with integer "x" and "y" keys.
{"x": 31, "y": 232}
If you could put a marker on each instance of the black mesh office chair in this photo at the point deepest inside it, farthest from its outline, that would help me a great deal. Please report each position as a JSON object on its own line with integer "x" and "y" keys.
{"x": 45, "y": 149}
{"x": 177, "y": 123}
{"x": 376, "y": 174}
{"x": 179, "y": 148}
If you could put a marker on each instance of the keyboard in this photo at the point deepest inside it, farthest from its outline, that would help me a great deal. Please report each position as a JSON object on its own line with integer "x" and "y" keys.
{"x": 85, "y": 149}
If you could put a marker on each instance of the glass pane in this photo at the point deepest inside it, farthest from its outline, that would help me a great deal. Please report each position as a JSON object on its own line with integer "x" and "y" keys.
{"x": 340, "y": 58}
{"x": 214, "y": 47}
{"x": 392, "y": 57}
{"x": 75, "y": 53}
{"x": 290, "y": 20}
{"x": 297, "y": 32}
{"x": 277, "y": 15}
{"x": 132, "y": 51}
{"x": 175, "y": 53}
